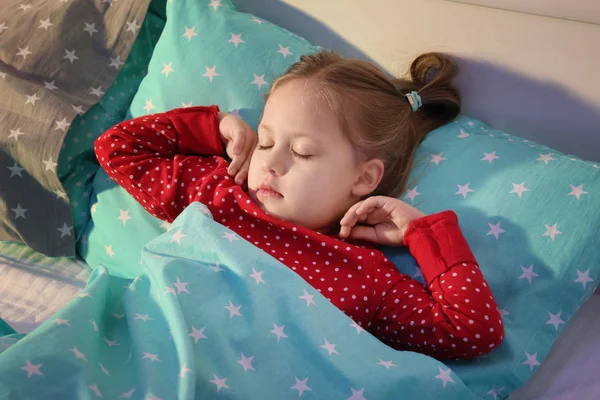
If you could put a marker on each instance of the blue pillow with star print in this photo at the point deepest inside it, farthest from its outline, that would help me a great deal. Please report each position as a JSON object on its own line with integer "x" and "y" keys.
{"x": 526, "y": 210}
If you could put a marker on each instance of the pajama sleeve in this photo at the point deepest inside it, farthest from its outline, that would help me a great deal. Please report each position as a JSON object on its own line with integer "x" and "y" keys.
{"x": 167, "y": 160}
{"x": 454, "y": 315}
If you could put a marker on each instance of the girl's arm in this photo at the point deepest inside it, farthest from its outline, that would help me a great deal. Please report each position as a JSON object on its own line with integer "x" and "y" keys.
{"x": 167, "y": 160}
{"x": 455, "y": 314}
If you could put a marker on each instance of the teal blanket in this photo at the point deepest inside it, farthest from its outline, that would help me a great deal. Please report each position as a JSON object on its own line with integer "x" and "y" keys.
{"x": 211, "y": 316}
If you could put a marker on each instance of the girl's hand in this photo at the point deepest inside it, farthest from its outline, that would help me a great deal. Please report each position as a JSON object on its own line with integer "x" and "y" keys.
{"x": 240, "y": 140}
{"x": 384, "y": 219}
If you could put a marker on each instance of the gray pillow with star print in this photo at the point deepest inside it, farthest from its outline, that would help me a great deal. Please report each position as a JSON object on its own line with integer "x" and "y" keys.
{"x": 57, "y": 59}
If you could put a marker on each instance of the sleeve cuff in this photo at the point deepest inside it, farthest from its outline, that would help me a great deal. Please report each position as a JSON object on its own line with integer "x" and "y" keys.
{"x": 437, "y": 244}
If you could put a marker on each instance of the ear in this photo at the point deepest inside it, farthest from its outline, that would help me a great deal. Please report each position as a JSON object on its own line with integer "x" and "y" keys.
{"x": 369, "y": 174}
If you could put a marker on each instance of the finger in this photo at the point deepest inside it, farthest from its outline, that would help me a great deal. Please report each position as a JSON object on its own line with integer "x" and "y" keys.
{"x": 369, "y": 204}
{"x": 243, "y": 174}
{"x": 349, "y": 220}
{"x": 235, "y": 165}
{"x": 238, "y": 141}
{"x": 362, "y": 232}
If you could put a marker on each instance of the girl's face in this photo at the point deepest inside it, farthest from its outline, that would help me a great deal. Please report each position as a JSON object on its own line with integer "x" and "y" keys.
{"x": 304, "y": 169}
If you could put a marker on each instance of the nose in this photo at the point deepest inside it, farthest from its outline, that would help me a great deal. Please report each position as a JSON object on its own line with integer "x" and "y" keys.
{"x": 273, "y": 163}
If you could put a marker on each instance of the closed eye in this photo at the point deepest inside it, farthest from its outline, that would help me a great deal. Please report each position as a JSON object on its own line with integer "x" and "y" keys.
{"x": 298, "y": 155}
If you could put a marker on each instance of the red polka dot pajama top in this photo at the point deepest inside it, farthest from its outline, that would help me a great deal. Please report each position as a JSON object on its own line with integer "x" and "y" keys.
{"x": 167, "y": 161}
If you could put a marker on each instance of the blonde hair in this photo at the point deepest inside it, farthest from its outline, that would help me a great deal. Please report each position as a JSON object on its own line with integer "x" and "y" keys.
{"x": 374, "y": 111}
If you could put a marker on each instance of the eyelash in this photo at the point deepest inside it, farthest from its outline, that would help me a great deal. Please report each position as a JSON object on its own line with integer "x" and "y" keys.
{"x": 304, "y": 157}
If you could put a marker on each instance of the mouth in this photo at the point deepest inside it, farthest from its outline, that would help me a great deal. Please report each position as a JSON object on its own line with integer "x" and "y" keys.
{"x": 266, "y": 190}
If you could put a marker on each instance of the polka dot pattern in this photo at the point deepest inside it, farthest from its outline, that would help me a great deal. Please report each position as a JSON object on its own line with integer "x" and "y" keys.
{"x": 156, "y": 159}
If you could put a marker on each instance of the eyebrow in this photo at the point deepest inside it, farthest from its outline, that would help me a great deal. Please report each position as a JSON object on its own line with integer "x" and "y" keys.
{"x": 295, "y": 134}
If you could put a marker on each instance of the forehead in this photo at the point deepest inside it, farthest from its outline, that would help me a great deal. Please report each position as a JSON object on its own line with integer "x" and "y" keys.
{"x": 299, "y": 105}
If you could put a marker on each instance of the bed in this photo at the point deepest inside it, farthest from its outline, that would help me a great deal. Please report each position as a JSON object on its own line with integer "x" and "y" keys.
{"x": 513, "y": 59}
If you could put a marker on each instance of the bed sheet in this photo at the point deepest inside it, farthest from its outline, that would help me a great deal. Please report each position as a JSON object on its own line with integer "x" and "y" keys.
{"x": 33, "y": 287}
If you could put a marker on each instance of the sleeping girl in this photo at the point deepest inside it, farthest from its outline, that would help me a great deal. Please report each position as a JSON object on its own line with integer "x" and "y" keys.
{"x": 316, "y": 188}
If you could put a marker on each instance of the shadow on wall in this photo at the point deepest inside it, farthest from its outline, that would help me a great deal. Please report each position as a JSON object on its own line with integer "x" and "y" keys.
{"x": 540, "y": 111}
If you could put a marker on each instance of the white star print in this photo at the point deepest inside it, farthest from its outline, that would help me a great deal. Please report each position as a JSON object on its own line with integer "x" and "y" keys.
{"x": 50, "y": 85}
{"x": 171, "y": 290}
{"x": 495, "y": 229}
{"x": 32, "y": 369}
{"x": 198, "y": 334}
{"x": 464, "y": 189}
{"x": 186, "y": 105}
{"x": 528, "y": 273}
{"x": 411, "y": 194}
{"x": 495, "y": 392}
{"x": 519, "y": 189}
{"x": 111, "y": 343}
{"x": 555, "y": 319}
{"x": 25, "y": 7}
{"x": 151, "y": 356}
{"x": 84, "y": 294}
{"x": 15, "y": 133}
{"x": 583, "y": 278}
{"x": 463, "y": 134}
{"x": 24, "y": 52}
{"x": 184, "y": 370}
{"x": 231, "y": 236}
{"x": 181, "y": 286}
{"x": 132, "y": 26}
{"x": 246, "y": 362}
{"x": 115, "y": 62}
{"x": 258, "y": 21}
{"x": 386, "y": 364}
{"x": 62, "y": 125}
{"x": 50, "y": 165}
{"x": 32, "y": 99}
{"x": 308, "y": 298}
{"x": 236, "y": 39}
{"x": 531, "y": 361}
{"x": 167, "y": 69}
{"x": 19, "y": 212}
{"x": 95, "y": 389}
{"x": 214, "y": 4}
{"x": 257, "y": 276}
{"x": 97, "y": 91}
{"x": 104, "y": 370}
{"x": 70, "y": 55}
{"x": 123, "y": 216}
{"x": 109, "y": 250}
{"x": 545, "y": 158}
{"x": 437, "y": 158}
{"x": 127, "y": 395}
{"x": 149, "y": 106}
{"x": 356, "y": 326}
{"x": 489, "y": 157}
{"x": 301, "y": 386}
{"x": 94, "y": 324}
{"x": 45, "y": 24}
{"x": 552, "y": 231}
{"x": 154, "y": 397}
{"x": 278, "y": 331}
{"x": 15, "y": 170}
{"x": 233, "y": 310}
{"x": 577, "y": 191}
{"x": 65, "y": 230}
{"x": 190, "y": 33}
{"x": 210, "y": 72}
{"x": 259, "y": 80}
{"x": 444, "y": 376}
{"x": 219, "y": 382}
{"x": 285, "y": 51}
{"x": 78, "y": 354}
{"x": 91, "y": 28}
{"x": 60, "y": 321}
{"x": 329, "y": 347}
{"x": 177, "y": 236}
{"x": 504, "y": 312}
{"x": 143, "y": 317}
{"x": 77, "y": 109}
{"x": 216, "y": 268}
{"x": 3, "y": 27}
{"x": 357, "y": 394}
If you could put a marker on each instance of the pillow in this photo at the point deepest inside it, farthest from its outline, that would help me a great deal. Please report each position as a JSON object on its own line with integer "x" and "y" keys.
{"x": 77, "y": 163}
{"x": 53, "y": 67}
{"x": 533, "y": 233}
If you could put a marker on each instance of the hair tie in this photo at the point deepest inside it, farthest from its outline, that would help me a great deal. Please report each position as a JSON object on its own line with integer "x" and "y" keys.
{"x": 415, "y": 100}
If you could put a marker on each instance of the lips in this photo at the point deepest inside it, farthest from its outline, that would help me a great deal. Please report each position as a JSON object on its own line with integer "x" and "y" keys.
{"x": 268, "y": 190}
